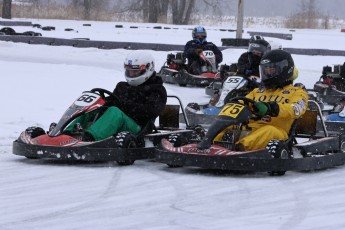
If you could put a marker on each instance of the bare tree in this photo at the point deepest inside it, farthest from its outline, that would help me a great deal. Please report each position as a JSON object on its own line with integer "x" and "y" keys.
{"x": 215, "y": 5}
{"x": 87, "y": 9}
{"x": 306, "y": 17}
{"x": 181, "y": 11}
{"x": 6, "y": 9}
{"x": 309, "y": 9}
{"x": 326, "y": 19}
{"x": 156, "y": 11}
{"x": 152, "y": 10}
{"x": 90, "y": 9}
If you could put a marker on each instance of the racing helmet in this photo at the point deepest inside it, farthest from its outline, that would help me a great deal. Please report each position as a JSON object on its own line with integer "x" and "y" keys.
{"x": 259, "y": 47}
{"x": 276, "y": 69}
{"x": 139, "y": 67}
{"x": 199, "y": 34}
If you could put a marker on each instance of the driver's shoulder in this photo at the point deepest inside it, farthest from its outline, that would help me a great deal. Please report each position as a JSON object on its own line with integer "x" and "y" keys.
{"x": 209, "y": 45}
{"x": 295, "y": 88}
{"x": 122, "y": 83}
{"x": 121, "y": 86}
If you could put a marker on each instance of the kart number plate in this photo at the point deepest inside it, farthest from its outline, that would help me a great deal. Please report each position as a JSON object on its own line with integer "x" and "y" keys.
{"x": 231, "y": 110}
{"x": 232, "y": 82}
{"x": 87, "y": 99}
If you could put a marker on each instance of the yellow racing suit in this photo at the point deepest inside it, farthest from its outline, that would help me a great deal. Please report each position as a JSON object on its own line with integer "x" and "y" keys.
{"x": 292, "y": 102}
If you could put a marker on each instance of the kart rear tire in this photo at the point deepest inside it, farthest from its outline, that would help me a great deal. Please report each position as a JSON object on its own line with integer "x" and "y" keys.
{"x": 342, "y": 147}
{"x": 278, "y": 149}
{"x": 177, "y": 140}
{"x": 32, "y": 158}
{"x": 174, "y": 166}
{"x": 126, "y": 140}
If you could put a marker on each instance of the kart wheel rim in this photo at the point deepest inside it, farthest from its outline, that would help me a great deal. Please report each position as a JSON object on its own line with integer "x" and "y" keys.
{"x": 284, "y": 154}
{"x": 342, "y": 147}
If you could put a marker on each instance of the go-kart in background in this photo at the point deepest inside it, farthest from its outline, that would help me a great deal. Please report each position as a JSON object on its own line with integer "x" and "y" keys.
{"x": 39, "y": 82}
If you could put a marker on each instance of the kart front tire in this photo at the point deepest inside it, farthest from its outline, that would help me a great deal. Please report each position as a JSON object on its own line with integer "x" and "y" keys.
{"x": 278, "y": 149}
{"x": 32, "y": 158}
{"x": 198, "y": 133}
{"x": 126, "y": 140}
{"x": 177, "y": 139}
{"x": 174, "y": 166}
{"x": 342, "y": 146}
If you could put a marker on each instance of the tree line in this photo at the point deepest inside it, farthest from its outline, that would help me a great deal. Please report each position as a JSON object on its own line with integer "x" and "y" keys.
{"x": 179, "y": 12}
{"x": 151, "y": 11}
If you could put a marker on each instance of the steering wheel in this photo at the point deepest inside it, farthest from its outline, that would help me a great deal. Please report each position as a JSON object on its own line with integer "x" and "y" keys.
{"x": 104, "y": 92}
{"x": 247, "y": 102}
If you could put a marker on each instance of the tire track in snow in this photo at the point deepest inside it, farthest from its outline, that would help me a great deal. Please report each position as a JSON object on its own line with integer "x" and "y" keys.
{"x": 184, "y": 197}
{"x": 301, "y": 203}
{"x": 111, "y": 187}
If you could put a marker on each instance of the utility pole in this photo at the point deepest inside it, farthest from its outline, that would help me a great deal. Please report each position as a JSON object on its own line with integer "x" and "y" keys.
{"x": 6, "y": 9}
{"x": 239, "y": 19}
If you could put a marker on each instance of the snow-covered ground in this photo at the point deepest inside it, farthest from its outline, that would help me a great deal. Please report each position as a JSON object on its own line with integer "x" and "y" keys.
{"x": 39, "y": 82}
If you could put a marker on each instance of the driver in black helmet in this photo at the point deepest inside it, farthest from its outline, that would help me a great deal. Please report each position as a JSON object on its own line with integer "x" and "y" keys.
{"x": 248, "y": 63}
{"x": 194, "y": 47}
{"x": 278, "y": 102}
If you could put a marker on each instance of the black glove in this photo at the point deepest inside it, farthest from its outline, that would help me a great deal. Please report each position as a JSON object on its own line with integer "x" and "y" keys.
{"x": 198, "y": 51}
{"x": 112, "y": 101}
{"x": 248, "y": 72}
{"x": 88, "y": 137}
{"x": 252, "y": 84}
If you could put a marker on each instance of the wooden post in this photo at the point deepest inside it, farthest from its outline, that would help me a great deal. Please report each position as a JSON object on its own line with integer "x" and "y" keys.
{"x": 239, "y": 19}
{"x": 6, "y": 9}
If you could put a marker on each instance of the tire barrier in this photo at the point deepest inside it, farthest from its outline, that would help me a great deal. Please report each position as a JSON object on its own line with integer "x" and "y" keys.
{"x": 273, "y": 35}
{"x": 235, "y": 42}
{"x": 15, "y": 23}
{"x": 314, "y": 52}
{"x": 12, "y": 32}
{"x": 86, "y": 43}
{"x": 48, "y": 28}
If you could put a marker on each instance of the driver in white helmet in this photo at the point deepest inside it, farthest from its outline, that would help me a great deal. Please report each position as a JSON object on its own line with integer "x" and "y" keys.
{"x": 139, "y": 99}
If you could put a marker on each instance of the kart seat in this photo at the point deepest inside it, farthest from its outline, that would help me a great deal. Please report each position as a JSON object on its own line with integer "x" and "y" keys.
{"x": 306, "y": 125}
{"x": 169, "y": 117}
{"x": 303, "y": 127}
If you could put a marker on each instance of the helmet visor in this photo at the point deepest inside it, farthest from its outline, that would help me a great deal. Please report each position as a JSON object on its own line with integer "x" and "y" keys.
{"x": 270, "y": 70}
{"x": 257, "y": 49}
{"x": 200, "y": 35}
{"x": 133, "y": 71}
